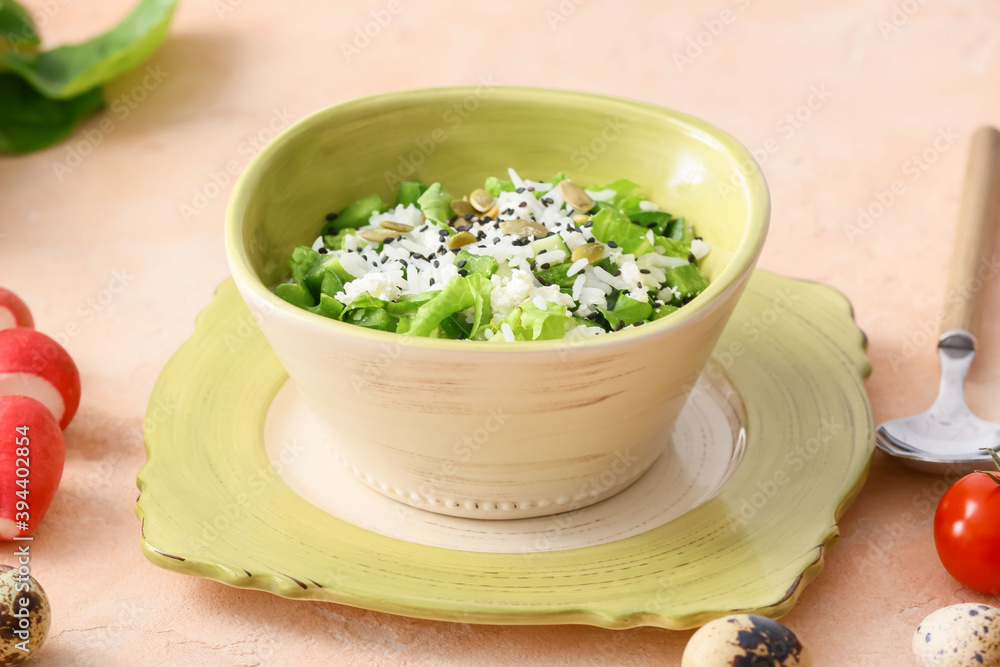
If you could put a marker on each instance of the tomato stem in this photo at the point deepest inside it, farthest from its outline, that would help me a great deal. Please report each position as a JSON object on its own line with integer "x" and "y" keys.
{"x": 996, "y": 462}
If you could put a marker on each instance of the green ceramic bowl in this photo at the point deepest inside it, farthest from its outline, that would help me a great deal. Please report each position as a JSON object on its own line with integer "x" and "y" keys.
{"x": 472, "y": 428}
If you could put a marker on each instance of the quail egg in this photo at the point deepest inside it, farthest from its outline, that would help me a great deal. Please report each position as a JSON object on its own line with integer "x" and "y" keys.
{"x": 24, "y": 616}
{"x": 743, "y": 639}
{"x": 959, "y": 635}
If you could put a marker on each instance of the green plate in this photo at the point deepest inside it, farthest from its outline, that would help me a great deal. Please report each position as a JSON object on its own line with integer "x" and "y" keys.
{"x": 212, "y": 505}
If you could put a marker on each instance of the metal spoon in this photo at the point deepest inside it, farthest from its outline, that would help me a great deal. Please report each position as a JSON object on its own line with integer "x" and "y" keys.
{"x": 948, "y": 437}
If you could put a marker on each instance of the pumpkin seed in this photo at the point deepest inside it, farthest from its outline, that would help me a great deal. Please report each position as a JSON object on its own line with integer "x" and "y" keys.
{"x": 396, "y": 226}
{"x": 581, "y": 218}
{"x": 574, "y": 195}
{"x": 461, "y": 239}
{"x": 377, "y": 235}
{"x": 522, "y": 228}
{"x": 592, "y": 252}
{"x": 461, "y": 207}
{"x": 481, "y": 200}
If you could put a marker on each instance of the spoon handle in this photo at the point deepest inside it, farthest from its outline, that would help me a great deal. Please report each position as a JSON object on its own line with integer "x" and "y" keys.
{"x": 973, "y": 259}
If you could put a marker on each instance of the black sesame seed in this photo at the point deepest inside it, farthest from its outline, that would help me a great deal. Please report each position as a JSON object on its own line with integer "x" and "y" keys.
{"x": 589, "y": 223}
{"x": 691, "y": 257}
{"x": 544, "y": 266}
{"x": 638, "y": 284}
{"x": 481, "y": 235}
{"x": 547, "y": 201}
{"x": 463, "y": 273}
{"x": 644, "y": 271}
{"x": 452, "y": 219}
{"x": 384, "y": 259}
{"x": 617, "y": 273}
{"x": 331, "y": 216}
{"x": 697, "y": 238}
{"x": 455, "y": 250}
{"x": 519, "y": 190}
{"x": 467, "y": 216}
{"x": 651, "y": 225}
{"x": 323, "y": 251}
{"x": 496, "y": 240}
{"x": 639, "y": 323}
{"x": 437, "y": 264}
{"x": 548, "y": 235}
{"x": 522, "y": 204}
{"x": 612, "y": 244}
{"x": 509, "y": 211}
{"x": 404, "y": 263}
{"x": 487, "y": 218}
{"x": 432, "y": 281}
{"x": 461, "y": 263}
{"x": 531, "y": 189}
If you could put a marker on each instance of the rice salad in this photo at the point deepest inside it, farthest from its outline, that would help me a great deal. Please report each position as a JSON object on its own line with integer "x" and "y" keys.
{"x": 515, "y": 260}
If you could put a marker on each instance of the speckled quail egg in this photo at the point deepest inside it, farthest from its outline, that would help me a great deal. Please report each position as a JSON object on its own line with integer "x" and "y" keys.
{"x": 744, "y": 640}
{"x": 959, "y": 635}
{"x": 24, "y": 616}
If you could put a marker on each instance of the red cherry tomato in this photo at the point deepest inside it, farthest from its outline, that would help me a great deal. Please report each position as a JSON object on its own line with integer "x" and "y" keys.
{"x": 967, "y": 532}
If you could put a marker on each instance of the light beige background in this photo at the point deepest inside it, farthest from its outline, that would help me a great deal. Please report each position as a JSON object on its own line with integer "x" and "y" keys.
{"x": 111, "y": 262}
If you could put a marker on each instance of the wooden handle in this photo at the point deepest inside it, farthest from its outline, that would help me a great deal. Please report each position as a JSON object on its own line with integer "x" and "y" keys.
{"x": 978, "y": 217}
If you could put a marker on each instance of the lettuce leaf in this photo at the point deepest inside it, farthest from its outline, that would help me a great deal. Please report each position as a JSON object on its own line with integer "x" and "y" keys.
{"x": 456, "y": 296}
{"x": 611, "y": 225}
{"x": 495, "y": 186}
{"x": 303, "y": 259}
{"x": 355, "y": 214}
{"x": 630, "y": 311}
{"x": 409, "y": 192}
{"x": 481, "y": 288}
{"x": 409, "y": 303}
{"x": 436, "y": 204}
{"x": 626, "y": 193}
{"x": 529, "y": 322}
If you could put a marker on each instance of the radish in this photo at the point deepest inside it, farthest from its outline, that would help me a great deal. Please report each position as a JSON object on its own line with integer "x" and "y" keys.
{"x": 32, "y": 364}
{"x": 13, "y": 311}
{"x": 32, "y": 454}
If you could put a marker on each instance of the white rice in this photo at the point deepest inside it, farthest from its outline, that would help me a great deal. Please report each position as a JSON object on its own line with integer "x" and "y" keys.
{"x": 577, "y": 266}
{"x": 550, "y": 257}
{"x": 611, "y": 280}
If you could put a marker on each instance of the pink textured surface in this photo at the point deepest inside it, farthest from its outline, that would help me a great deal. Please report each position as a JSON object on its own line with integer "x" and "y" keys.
{"x": 104, "y": 256}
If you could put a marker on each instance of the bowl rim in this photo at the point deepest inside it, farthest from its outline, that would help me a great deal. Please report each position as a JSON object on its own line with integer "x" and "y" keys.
{"x": 732, "y": 277}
